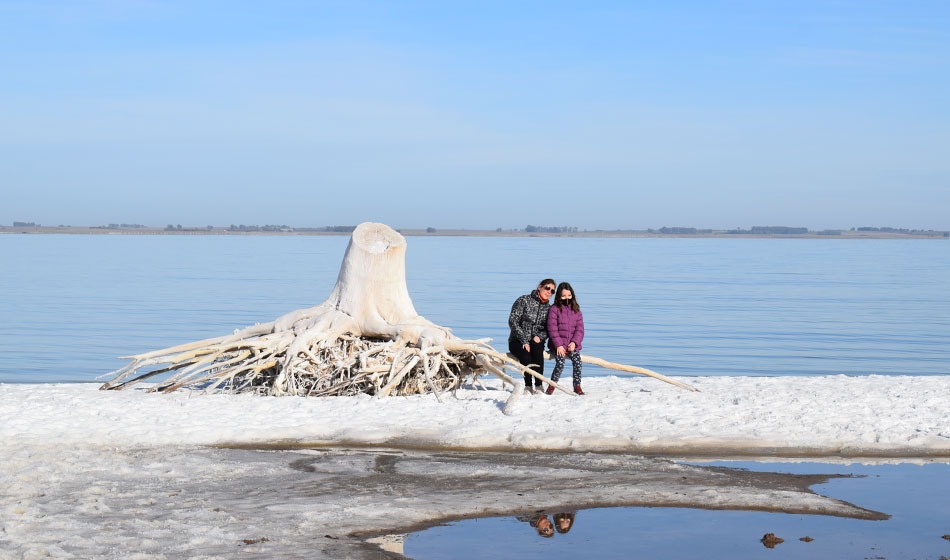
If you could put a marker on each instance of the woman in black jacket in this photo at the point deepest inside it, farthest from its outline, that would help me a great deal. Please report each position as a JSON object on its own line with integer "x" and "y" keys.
{"x": 528, "y": 321}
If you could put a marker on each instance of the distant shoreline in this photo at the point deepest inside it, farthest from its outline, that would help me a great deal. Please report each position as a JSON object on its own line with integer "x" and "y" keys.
{"x": 715, "y": 234}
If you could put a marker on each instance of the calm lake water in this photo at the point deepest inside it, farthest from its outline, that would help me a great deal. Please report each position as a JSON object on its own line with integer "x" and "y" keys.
{"x": 915, "y": 496}
{"x": 71, "y": 304}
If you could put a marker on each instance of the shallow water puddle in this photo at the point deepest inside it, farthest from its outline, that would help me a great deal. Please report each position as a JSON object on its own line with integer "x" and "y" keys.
{"x": 915, "y": 496}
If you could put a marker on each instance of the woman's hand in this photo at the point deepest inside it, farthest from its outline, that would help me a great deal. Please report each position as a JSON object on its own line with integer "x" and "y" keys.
{"x": 527, "y": 346}
{"x": 537, "y": 339}
{"x": 561, "y": 352}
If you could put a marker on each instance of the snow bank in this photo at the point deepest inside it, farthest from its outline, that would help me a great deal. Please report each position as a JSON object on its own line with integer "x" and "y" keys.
{"x": 875, "y": 416}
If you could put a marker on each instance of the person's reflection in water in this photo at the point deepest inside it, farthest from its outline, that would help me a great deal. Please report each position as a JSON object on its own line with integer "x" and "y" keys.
{"x": 545, "y": 528}
{"x": 564, "y": 521}
{"x": 540, "y": 522}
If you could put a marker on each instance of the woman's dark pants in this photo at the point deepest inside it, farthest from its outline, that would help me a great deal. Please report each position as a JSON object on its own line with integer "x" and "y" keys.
{"x": 533, "y": 359}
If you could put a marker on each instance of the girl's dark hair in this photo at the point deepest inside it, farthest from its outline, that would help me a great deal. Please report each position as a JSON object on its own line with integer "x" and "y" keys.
{"x": 560, "y": 516}
{"x": 557, "y": 296}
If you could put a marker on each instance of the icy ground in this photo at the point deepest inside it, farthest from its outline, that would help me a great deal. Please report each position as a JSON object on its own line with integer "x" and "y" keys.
{"x": 790, "y": 416}
{"x": 130, "y": 474}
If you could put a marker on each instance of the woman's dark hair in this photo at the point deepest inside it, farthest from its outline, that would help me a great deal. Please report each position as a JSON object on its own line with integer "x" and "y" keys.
{"x": 546, "y": 281}
{"x": 557, "y": 296}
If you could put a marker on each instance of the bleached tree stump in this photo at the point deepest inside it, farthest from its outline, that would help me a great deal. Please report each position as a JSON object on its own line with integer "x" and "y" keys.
{"x": 365, "y": 338}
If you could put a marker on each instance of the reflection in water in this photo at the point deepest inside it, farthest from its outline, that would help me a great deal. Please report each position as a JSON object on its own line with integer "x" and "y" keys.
{"x": 389, "y": 543}
{"x": 913, "y": 495}
{"x": 562, "y": 522}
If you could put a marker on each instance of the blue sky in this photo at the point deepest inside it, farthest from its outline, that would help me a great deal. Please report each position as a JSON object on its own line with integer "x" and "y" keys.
{"x": 630, "y": 115}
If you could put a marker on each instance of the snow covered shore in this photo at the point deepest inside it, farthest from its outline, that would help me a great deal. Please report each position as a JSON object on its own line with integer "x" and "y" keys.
{"x": 872, "y": 416}
{"x": 95, "y": 474}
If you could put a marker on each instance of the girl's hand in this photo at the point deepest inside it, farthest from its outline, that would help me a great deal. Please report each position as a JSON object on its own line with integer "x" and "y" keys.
{"x": 560, "y": 351}
{"x": 571, "y": 347}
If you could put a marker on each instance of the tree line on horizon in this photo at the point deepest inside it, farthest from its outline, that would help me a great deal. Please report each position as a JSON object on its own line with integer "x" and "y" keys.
{"x": 530, "y": 228}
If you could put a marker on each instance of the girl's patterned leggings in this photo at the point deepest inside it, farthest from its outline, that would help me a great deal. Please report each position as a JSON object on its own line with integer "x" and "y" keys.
{"x": 575, "y": 357}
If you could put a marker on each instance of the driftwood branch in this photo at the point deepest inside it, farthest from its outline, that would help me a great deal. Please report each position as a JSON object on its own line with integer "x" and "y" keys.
{"x": 634, "y": 369}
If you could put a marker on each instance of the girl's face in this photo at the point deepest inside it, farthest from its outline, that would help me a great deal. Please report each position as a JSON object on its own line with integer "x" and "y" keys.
{"x": 565, "y": 296}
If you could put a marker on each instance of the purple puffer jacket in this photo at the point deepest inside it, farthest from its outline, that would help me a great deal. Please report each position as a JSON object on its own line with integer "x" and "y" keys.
{"x": 565, "y": 326}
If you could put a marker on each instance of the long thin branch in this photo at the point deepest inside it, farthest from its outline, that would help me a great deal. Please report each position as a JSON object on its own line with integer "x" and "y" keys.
{"x": 633, "y": 369}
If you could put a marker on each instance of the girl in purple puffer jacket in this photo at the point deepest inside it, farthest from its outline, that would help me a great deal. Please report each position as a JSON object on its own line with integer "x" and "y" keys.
{"x": 566, "y": 332}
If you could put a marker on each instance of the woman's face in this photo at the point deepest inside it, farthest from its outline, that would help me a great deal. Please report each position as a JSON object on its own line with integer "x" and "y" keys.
{"x": 546, "y": 290}
{"x": 545, "y": 529}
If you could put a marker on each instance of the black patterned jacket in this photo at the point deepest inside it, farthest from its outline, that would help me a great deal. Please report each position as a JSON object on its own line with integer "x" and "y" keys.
{"x": 528, "y": 318}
